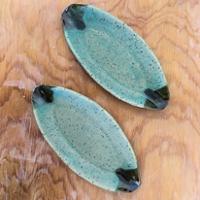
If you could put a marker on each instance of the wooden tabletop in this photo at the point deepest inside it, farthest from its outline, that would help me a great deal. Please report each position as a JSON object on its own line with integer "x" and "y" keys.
{"x": 167, "y": 143}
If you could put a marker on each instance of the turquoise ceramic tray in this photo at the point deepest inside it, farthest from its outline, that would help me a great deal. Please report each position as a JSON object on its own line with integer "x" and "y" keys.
{"x": 86, "y": 137}
{"x": 115, "y": 56}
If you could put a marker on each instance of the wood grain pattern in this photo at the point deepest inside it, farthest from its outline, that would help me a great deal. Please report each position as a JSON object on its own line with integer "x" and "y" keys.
{"x": 167, "y": 143}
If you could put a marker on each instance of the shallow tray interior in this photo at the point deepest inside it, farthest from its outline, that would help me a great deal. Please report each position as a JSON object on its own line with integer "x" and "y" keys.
{"x": 84, "y": 135}
{"x": 115, "y": 56}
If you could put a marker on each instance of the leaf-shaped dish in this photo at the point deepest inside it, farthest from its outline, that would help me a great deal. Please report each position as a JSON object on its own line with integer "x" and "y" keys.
{"x": 115, "y": 56}
{"x": 86, "y": 137}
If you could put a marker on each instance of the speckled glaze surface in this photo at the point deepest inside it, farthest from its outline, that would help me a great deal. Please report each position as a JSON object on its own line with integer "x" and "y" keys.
{"x": 86, "y": 138}
{"x": 115, "y": 56}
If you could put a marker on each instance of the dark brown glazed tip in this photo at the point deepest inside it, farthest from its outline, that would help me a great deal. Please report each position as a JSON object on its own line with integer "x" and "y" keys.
{"x": 42, "y": 93}
{"x": 129, "y": 179}
{"x": 157, "y": 99}
{"x": 72, "y": 16}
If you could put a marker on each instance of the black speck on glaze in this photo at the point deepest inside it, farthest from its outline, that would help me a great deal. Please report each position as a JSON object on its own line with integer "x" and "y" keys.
{"x": 157, "y": 99}
{"x": 74, "y": 14}
{"x": 43, "y": 91}
{"x": 129, "y": 179}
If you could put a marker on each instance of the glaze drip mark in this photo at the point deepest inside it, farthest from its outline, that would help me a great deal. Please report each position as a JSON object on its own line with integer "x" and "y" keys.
{"x": 157, "y": 99}
{"x": 129, "y": 179}
{"x": 42, "y": 93}
{"x": 73, "y": 16}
